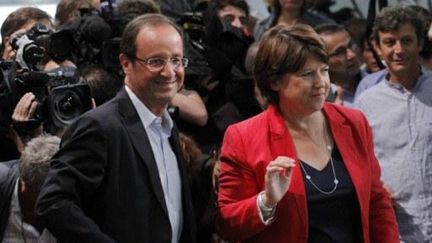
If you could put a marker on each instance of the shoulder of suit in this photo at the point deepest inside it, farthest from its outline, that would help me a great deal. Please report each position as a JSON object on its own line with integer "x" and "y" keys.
{"x": 344, "y": 112}
{"x": 8, "y": 175}
{"x": 254, "y": 121}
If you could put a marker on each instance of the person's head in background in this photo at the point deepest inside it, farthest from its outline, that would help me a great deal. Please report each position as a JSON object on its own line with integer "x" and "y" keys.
{"x": 103, "y": 84}
{"x": 249, "y": 67}
{"x": 21, "y": 19}
{"x": 134, "y": 8}
{"x": 235, "y": 12}
{"x": 32, "y": 169}
{"x": 343, "y": 61}
{"x": 426, "y": 53}
{"x": 398, "y": 38}
{"x": 370, "y": 62}
{"x": 69, "y": 10}
{"x": 190, "y": 150}
{"x": 293, "y": 7}
{"x": 357, "y": 29}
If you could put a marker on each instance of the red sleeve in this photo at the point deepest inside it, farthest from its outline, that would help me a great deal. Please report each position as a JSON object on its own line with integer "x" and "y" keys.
{"x": 238, "y": 217}
{"x": 383, "y": 225}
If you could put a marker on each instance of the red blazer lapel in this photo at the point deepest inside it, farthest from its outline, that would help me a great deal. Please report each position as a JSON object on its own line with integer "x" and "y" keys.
{"x": 347, "y": 142}
{"x": 282, "y": 145}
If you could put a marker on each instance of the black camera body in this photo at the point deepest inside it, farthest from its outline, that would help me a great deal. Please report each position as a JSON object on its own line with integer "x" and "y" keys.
{"x": 60, "y": 96}
{"x": 93, "y": 38}
{"x": 30, "y": 47}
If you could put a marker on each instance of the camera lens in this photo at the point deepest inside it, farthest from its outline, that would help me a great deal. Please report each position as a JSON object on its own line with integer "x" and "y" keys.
{"x": 69, "y": 102}
{"x": 67, "y": 105}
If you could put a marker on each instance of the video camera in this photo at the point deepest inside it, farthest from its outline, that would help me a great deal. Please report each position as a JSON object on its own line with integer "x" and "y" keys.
{"x": 61, "y": 98}
{"x": 93, "y": 38}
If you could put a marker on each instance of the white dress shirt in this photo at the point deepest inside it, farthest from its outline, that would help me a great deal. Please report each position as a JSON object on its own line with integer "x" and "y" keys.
{"x": 158, "y": 130}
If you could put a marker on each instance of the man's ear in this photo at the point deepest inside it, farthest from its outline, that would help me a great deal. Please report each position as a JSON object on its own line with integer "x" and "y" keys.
{"x": 376, "y": 47}
{"x": 421, "y": 44}
{"x": 125, "y": 63}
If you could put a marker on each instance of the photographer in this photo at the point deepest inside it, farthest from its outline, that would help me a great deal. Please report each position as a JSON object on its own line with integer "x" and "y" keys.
{"x": 69, "y": 10}
{"x": 32, "y": 98}
{"x": 22, "y": 20}
{"x": 217, "y": 72}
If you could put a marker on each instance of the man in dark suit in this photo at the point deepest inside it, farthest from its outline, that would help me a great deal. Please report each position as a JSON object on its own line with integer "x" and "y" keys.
{"x": 119, "y": 175}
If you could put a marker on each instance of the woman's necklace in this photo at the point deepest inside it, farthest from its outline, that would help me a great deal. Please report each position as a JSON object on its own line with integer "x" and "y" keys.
{"x": 329, "y": 152}
{"x": 335, "y": 180}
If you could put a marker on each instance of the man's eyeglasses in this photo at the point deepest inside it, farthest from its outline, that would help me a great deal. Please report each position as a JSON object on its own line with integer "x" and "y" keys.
{"x": 342, "y": 51}
{"x": 156, "y": 64}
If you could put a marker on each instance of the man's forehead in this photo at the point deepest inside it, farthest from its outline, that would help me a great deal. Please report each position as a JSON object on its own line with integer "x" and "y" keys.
{"x": 337, "y": 38}
{"x": 229, "y": 9}
{"x": 155, "y": 29}
{"x": 158, "y": 34}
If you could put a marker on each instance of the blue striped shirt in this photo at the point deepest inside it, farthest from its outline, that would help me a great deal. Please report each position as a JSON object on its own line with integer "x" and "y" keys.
{"x": 402, "y": 127}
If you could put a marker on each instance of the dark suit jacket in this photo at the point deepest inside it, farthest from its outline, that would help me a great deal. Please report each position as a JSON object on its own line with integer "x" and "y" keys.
{"x": 103, "y": 184}
{"x": 8, "y": 177}
{"x": 248, "y": 148}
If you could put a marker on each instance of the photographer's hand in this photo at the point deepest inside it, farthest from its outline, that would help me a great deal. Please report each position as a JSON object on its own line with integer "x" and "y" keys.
{"x": 25, "y": 109}
{"x": 23, "y": 113}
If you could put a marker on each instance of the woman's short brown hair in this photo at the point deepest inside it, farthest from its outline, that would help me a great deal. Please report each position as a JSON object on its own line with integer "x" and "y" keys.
{"x": 282, "y": 50}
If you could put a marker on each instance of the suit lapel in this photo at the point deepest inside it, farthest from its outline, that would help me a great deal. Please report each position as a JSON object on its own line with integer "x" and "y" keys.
{"x": 142, "y": 145}
{"x": 345, "y": 141}
{"x": 282, "y": 145}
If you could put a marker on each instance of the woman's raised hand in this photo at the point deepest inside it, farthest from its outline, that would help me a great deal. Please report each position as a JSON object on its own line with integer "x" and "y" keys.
{"x": 277, "y": 179}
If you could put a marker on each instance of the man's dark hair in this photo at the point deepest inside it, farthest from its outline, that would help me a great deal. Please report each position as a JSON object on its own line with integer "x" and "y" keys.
{"x": 357, "y": 30}
{"x": 241, "y": 4}
{"x": 130, "y": 33}
{"x": 137, "y": 7}
{"x": 329, "y": 29}
{"x": 391, "y": 18}
{"x": 103, "y": 84}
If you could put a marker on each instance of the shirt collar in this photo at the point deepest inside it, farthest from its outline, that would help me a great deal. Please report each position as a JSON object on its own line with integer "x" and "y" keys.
{"x": 147, "y": 117}
{"x": 401, "y": 88}
{"x": 15, "y": 206}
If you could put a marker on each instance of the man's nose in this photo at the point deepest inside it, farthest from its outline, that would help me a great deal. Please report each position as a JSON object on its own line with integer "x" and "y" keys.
{"x": 169, "y": 69}
{"x": 237, "y": 23}
{"x": 398, "y": 47}
{"x": 350, "y": 53}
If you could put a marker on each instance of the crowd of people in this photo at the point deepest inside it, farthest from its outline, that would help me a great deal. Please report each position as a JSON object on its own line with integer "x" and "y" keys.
{"x": 194, "y": 121}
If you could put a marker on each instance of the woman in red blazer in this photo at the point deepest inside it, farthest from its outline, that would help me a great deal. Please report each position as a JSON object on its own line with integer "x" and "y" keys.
{"x": 303, "y": 170}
